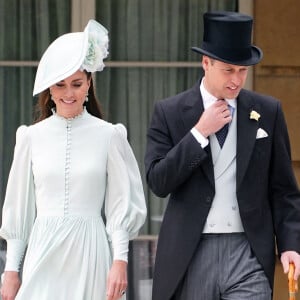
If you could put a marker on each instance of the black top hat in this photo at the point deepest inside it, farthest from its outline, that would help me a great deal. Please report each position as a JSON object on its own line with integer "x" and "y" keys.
{"x": 227, "y": 37}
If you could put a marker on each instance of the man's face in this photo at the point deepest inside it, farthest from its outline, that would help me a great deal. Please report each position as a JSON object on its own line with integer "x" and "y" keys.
{"x": 223, "y": 80}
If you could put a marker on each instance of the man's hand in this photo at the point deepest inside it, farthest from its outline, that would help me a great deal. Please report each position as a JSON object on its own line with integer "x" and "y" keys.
{"x": 10, "y": 285}
{"x": 214, "y": 118}
{"x": 288, "y": 257}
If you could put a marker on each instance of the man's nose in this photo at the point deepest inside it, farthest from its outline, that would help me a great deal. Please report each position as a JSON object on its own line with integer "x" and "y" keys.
{"x": 236, "y": 79}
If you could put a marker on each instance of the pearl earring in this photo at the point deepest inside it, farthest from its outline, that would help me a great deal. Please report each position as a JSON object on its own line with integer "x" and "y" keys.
{"x": 87, "y": 98}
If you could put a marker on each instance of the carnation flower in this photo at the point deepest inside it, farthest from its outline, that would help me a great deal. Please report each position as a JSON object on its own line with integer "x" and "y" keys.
{"x": 254, "y": 115}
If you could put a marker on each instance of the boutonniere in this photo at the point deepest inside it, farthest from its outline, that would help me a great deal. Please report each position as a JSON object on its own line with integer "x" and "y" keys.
{"x": 254, "y": 115}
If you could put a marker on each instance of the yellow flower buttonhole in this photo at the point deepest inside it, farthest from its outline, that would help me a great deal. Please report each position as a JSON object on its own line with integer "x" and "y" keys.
{"x": 254, "y": 115}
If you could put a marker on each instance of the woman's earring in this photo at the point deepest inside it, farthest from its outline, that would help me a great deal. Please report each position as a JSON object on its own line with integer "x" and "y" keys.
{"x": 87, "y": 98}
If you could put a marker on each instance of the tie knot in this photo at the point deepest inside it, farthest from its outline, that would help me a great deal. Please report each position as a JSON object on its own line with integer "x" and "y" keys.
{"x": 231, "y": 109}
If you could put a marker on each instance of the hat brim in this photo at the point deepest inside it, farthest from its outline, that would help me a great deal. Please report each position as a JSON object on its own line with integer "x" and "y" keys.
{"x": 66, "y": 55}
{"x": 60, "y": 61}
{"x": 256, "y": 56}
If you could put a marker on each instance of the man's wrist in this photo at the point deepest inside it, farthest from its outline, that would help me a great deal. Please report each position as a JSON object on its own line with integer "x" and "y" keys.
{"x": 202, "y": 140}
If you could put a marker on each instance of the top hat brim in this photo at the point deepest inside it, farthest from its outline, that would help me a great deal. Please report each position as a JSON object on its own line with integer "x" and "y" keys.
{"x": 256, "y": 56}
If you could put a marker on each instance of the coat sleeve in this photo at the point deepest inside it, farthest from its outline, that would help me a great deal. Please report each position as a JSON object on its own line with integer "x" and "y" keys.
{"x": 169, "y": 162}
{"x": 284, "y": 190}
{"x": 19, "y": 210}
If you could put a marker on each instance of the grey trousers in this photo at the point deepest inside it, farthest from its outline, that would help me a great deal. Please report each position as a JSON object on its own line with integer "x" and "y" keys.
{"x": 224, "y": 267}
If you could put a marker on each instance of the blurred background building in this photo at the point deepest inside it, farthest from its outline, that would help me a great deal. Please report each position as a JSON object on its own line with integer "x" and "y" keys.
{"x": 150, "y": 59}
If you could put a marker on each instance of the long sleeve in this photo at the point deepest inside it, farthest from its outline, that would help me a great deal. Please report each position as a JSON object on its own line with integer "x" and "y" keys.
{"x": 285, "y": 194}
{"x": 18, "y": 212}
{"x": 125, "y": 206}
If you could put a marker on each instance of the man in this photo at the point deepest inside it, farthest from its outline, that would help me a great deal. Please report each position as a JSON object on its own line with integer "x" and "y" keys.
{"x": 229, "y": 200}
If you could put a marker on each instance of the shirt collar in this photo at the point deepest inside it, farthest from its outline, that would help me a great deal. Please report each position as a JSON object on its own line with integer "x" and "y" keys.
{"x": 209, "y": 99}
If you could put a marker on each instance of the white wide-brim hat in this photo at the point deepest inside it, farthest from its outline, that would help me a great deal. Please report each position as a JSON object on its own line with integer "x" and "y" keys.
{"x": 72, "y": 52}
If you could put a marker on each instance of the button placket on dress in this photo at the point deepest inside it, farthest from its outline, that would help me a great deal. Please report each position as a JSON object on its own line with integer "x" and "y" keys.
{"x": 67, "y": 167}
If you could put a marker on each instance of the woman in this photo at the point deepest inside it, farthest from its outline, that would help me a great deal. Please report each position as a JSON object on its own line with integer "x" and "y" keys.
{"x": 67, "y": 168}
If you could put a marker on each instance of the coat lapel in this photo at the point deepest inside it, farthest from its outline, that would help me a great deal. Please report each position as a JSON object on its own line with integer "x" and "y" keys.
{"x": 191, "y": 111}
{"x": 246, "y": 134}
{"x": 192, "y": 108}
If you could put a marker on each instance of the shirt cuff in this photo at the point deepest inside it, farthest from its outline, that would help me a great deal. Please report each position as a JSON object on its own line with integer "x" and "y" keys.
{"x": 120, "y": 241}
{"x": 203, "y": 141}
{"x": 14, "y": 254}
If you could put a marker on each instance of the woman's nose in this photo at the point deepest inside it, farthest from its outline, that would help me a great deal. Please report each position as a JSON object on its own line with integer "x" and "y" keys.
{"x": 69, "y": 92}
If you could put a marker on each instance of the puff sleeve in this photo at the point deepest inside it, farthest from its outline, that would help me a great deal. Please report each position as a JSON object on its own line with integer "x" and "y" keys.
{"x": 125, "y": 207}
{"x": 19, "y": 211}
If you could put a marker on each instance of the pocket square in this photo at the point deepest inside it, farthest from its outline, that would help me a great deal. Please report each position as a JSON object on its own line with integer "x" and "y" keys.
{"x": 261, "y": 133}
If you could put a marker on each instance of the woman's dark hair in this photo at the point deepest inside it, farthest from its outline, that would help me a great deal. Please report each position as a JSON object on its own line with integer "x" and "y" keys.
{"x": 43, "y": 108}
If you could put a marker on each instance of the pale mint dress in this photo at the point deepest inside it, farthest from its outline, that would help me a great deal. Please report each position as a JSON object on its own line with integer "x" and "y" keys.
{"x": 64, "y": 172}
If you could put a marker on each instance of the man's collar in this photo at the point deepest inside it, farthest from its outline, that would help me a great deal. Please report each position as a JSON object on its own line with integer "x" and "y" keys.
{"x": 209, "y": 99}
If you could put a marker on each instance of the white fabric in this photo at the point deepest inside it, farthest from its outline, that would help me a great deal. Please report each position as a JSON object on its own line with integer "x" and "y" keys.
{"x": 16, "y": 250}
{"x": 203, "y": 141}
{"x": 64, "y": 171}
{"x": 261, "y": 133}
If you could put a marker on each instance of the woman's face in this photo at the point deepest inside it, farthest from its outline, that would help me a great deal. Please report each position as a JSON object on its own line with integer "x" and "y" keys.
{"x": 69, "y": 94}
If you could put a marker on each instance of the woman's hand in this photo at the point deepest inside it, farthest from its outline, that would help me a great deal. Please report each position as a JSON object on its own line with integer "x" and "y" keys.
{"x": 117, "y": 280}
{"x": 10, "y": 285}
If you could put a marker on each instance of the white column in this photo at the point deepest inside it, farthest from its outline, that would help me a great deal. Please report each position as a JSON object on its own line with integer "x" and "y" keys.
{"x": 82, "y": 11}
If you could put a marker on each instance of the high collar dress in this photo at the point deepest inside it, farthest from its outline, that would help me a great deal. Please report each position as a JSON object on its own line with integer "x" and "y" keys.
{"x": 66, "y": 174}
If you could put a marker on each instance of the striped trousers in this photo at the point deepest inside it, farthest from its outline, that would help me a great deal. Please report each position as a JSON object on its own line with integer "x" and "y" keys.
{"x": 224, "y": 268}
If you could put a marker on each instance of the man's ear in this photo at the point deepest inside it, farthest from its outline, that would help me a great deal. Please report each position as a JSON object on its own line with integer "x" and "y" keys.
{"x": 205, "y": 62}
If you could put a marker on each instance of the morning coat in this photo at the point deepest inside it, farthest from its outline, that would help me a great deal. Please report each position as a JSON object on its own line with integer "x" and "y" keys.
{"x": 266, "y": 189}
